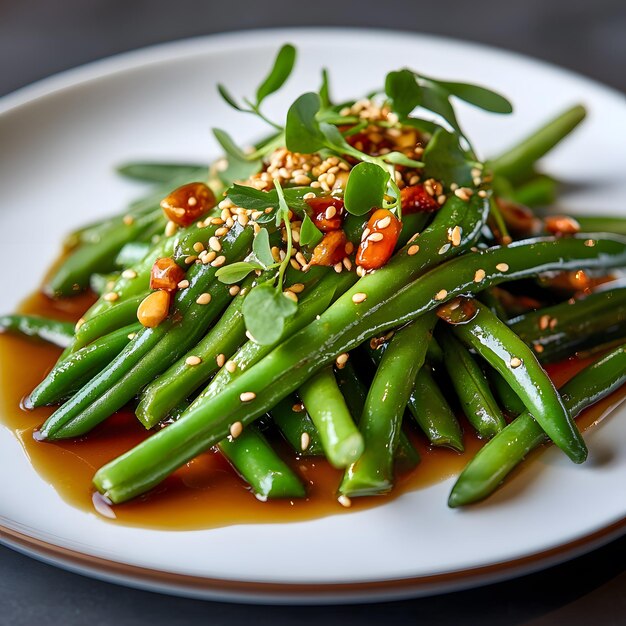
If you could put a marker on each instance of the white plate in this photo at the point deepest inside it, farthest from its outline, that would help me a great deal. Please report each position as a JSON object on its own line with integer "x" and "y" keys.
{"x": 60, "y": 139}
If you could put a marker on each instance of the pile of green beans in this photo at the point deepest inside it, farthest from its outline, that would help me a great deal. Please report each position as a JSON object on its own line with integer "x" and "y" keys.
{"x": 434, "y": 338}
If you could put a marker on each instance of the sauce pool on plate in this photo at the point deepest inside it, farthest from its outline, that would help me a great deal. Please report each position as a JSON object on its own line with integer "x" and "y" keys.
{"x": 206, "y": 493}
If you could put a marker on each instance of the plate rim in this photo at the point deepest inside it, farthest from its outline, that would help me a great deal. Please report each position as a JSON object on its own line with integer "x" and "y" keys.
{"x": 222, "y": 588}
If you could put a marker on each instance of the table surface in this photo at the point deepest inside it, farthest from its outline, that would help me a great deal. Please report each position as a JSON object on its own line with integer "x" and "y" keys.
{"x": 38, "y": 38}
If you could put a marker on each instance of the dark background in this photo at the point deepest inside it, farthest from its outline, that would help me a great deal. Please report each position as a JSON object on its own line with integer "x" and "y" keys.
{"x": 41, "y": 37}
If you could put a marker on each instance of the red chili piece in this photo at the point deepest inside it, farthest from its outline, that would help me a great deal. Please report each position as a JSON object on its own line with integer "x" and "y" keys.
{"x": 379, "y": 242}
{"x": 188, "y": 203}
{"x": 415, "y": 199}
{"x": 321, "y": 208}
{"x": 165, "y": 275}
{"x": 331, "y": 250}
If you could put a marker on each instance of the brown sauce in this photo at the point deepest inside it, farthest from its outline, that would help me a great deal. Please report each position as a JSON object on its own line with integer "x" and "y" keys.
{"x": 206, "y": 493}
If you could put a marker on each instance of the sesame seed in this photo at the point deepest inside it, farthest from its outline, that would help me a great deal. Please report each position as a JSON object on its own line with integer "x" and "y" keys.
{"x": 349, "y": 247}
{"x": 455, "y": 236}
{"x": 300, "y": 258}
{"x": 305, "y": 440}
{"x": 190, "y": 259}
{"x": 414, "y": 249}
{"x": 291, "y": 295}
{"x": 347, "y": 263}
{"x": 384, "y": 222}
{"x": 203, "y": 298}
{"x": 131, "y": 336}
{"x": 183, "y": 284}
{"x": 247, "y": 396}
{"x": 208, "y": 257}
{"x": 219, "y": 261}
{"x": 341, "y": 360}
{"x": 344, "y": 501}
{"x": 128, "y": 220}
{"x": 294, "y": 264}
{"x": 216, "y": 221}
{"x": 220, "y": 232}
{"x": 79, "y": 323}
{"x": 302, "y": 180}
{"x": 214, "y": 244}
{"x": 170, "y": 229}
{"x": 357, "y": 298}
{"x": 236, "y": 429}
{"x": 234, "y": 290}
{"x": 297, "y": 288}
{"x": 479, "y": 276}
{"x": 515, "y": 362}
{"x": 482, "y": 193}
{"x": 243, "y": 219}
{"x": 111, "y": 296}
{"x": 538, "y": 348}
{"x": 544, "y": 322}
{"x": 444, "y": 248}
{"x": 198, "y": 246}
{"x": 230, "y": 366}
{"x": 338, "y": 267}
{"x": 590, "y": 243}
{"x": 130, "y": 274}
{"x": 193, "y": 360}
{"x": 440, "y": 295}
{"x": 365, "y": 234}
{"x": 553, "y": 322}
{"x": 462, "y": 194}
{"x": 360, "y": 271}
{"x": 502, "y": 267}
{"x": 375, "y": 237}
{"x": 330, "y": 212}
{"x": 220, "y": 359}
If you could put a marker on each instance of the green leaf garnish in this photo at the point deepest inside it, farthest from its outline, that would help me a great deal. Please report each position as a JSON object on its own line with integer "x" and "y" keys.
{"x": 404, "y": 92}
{"x": 398, "y": 158}
{"x": 230, "y": 147}
{"x": 265, "y": 311}
{"x": 435, "y": 99}
{"x": 235, "y": 272}
{"x": 228, "y": 98}
{"x": 310, "y": 234}
{"x": 445, "y": 160}
{"x": 480, "y": 97}
{"x": 325, "y": 90}
{"x": 365, "y": 188}
{"x": 261, "y": 248}
{"x": 302, "y": 131}
{"x": 282, "y": 68}
{"x": 256, "y": 200}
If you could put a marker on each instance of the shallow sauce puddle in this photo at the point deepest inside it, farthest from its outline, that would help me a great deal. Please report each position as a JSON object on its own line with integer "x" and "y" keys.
{"x": 206, "y": 493}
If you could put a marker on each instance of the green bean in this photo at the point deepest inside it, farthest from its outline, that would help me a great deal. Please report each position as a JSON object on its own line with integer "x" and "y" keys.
{"x": 472, "y": 388}
{"x": 72, "y": 275}
{"x": 539, "y": 191}
{"x": 381, "y": 420}
{"x": 180, "y": 381}
{"x": 51, "y": 331}
{"x": 256, "y": 462}
{"x": 101, "y": 283}
{"x": 354, "y": 392}
{"x": 132, "y": 253}
{"x": 297, "y": 426}
{"x": 152, "y": 172}
{"x": 600, "y": 224}
{"x": 492, "y": 464}
{"x": 80, "y": 366}
{"x": 341, "y": 440}
{"x": 116, "y": 317}
{"x": 515, "y": 361}
{"x": 151, "y": 351}
{"x": 313, "y": 302}
{"x": 339, "y": 330}
{"x": 556, "y": 332}
{"x": 507, "y": 397}
{"x": 516, "y": 163}
{"x": 433, "y": 414}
